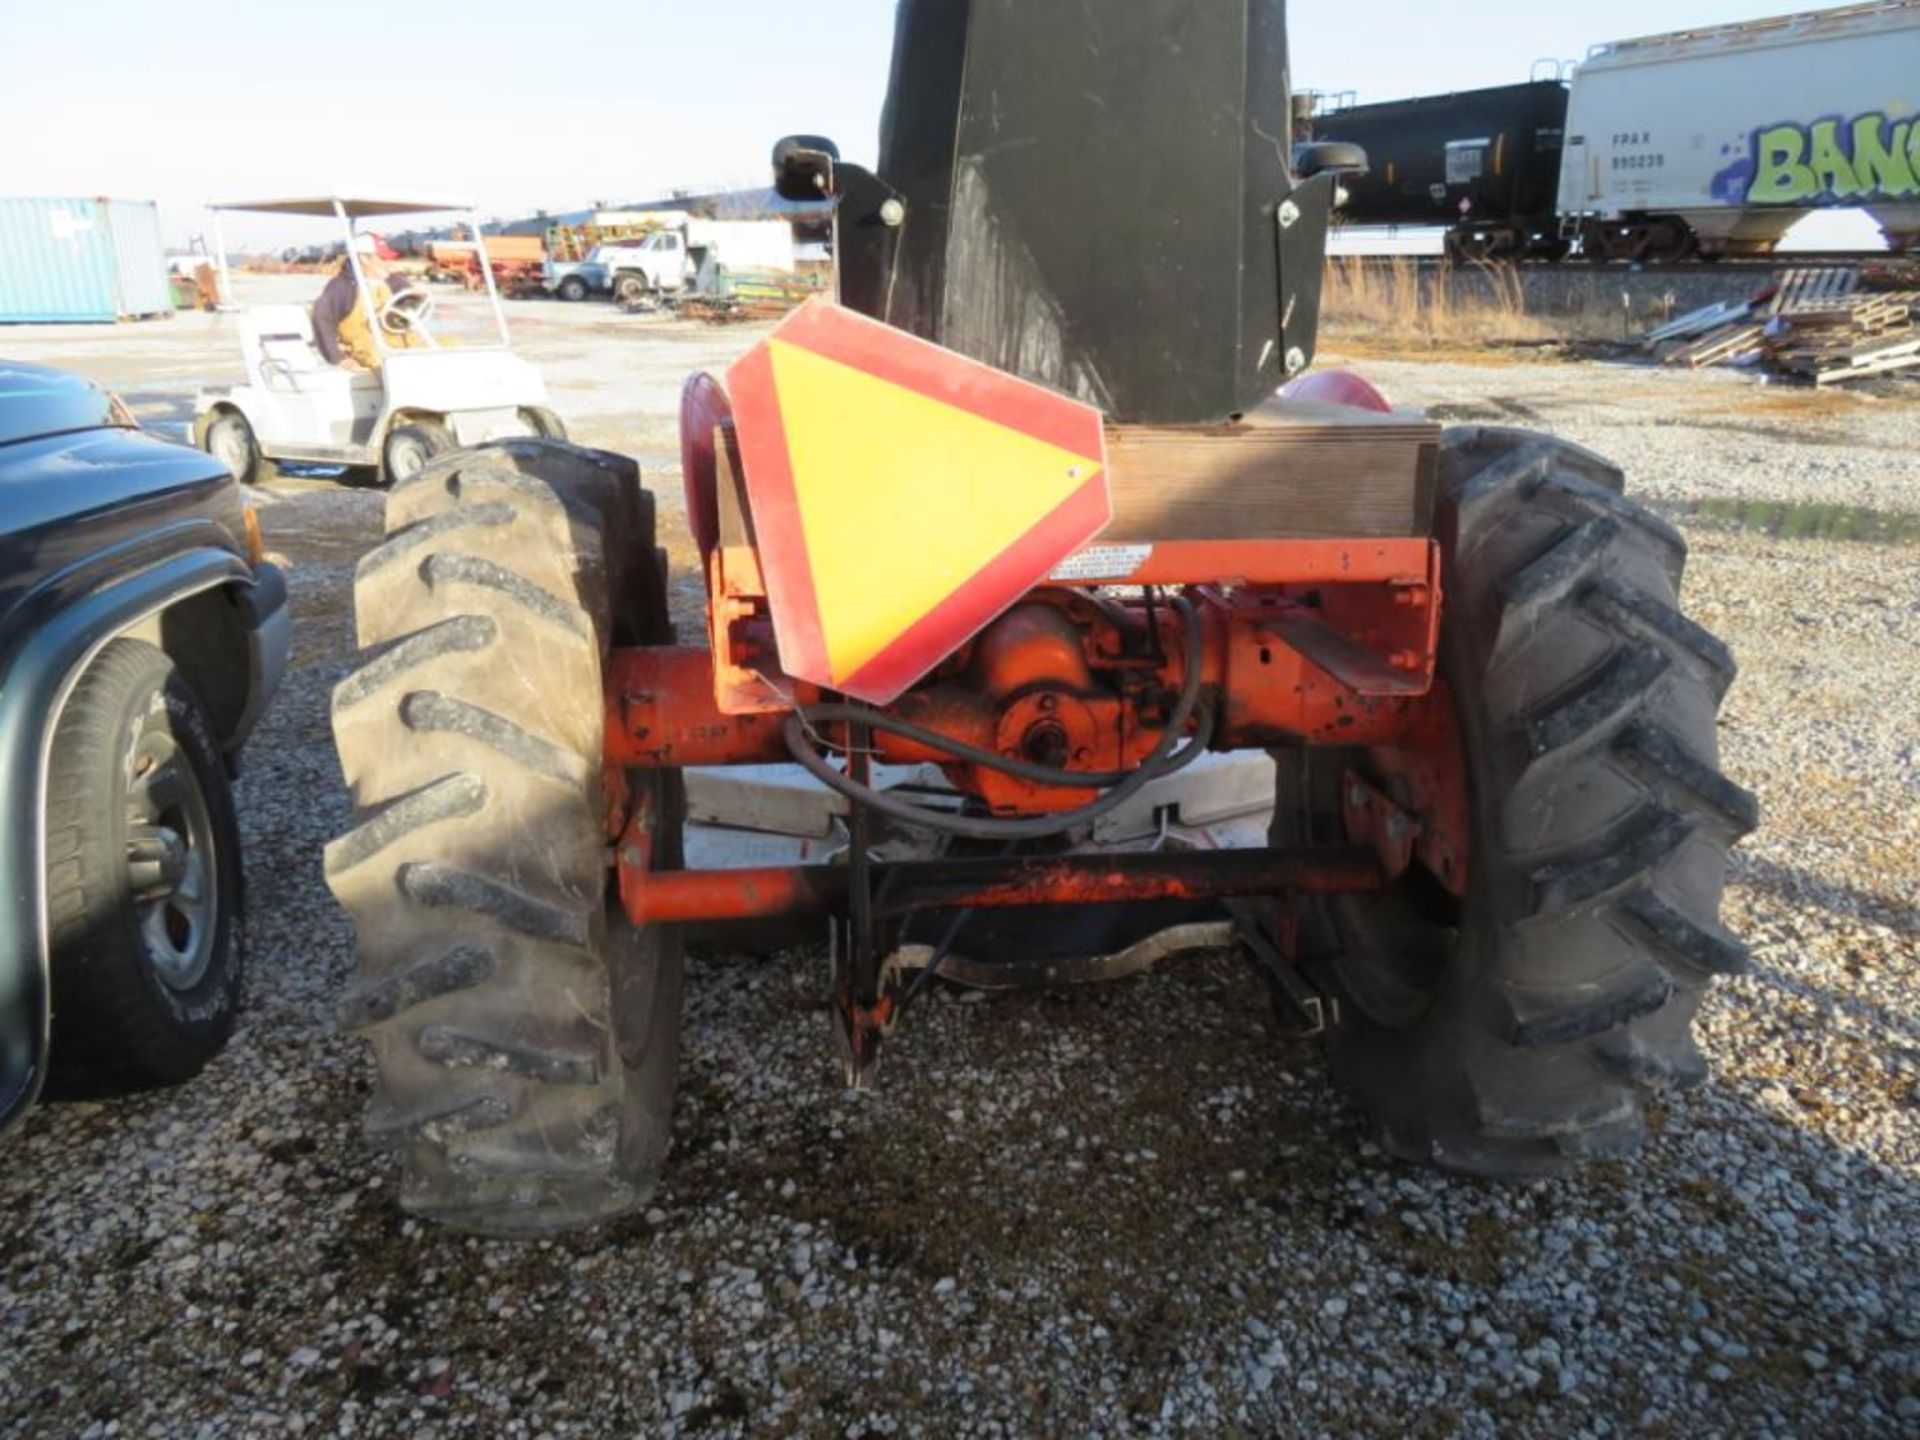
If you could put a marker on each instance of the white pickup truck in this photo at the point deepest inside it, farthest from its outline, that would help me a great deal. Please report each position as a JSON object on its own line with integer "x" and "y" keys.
{"x": 671, "y": 260}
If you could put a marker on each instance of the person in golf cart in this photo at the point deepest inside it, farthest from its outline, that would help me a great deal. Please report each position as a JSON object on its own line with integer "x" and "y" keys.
{"x": 340, "y": 326}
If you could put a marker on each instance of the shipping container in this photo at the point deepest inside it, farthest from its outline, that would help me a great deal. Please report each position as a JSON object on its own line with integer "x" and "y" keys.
{"x": 81, "y": 259}
{"x": 140, "y": 257}
{"x": 1727, "y": 136}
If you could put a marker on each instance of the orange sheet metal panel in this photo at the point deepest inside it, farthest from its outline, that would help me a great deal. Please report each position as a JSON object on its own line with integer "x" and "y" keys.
{"x": 902, "y": 495}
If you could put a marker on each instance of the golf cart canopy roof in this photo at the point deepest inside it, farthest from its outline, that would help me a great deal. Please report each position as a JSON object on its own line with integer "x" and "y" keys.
{"x": 360, "y": 207}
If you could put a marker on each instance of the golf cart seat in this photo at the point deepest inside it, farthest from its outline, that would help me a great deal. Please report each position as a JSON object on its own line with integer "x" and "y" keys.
{"x": 277, "y": 342}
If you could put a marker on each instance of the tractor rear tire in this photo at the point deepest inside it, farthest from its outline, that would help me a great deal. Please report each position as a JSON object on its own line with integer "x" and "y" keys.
{"x": 1520, "y": 1029}
{"x": 526, "y": 1035}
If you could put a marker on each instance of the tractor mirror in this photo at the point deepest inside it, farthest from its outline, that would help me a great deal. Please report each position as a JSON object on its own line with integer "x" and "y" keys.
{"x": 1323, "y": 157}
{"x": 803, "y": 167}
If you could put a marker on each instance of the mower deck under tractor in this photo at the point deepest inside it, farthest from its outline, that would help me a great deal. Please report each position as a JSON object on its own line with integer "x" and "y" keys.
{"x": 1033, "y": 506}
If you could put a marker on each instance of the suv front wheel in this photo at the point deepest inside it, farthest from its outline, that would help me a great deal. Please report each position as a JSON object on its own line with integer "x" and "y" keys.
{"x": 142, "y": 873}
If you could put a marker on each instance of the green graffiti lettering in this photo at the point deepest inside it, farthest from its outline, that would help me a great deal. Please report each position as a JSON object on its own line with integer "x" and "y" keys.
{"x": 1882, "y": 169}
{"x": 1870, "y": 157}
{"x": 1828, "y": 161}
{"x": 1780, "y": 176}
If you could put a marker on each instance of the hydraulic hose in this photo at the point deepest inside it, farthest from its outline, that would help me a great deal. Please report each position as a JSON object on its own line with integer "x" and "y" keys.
{"x": 1161, "y": 762}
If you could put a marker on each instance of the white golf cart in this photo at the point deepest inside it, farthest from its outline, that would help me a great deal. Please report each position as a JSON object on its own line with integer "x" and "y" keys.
{"x": 423, "y": 397}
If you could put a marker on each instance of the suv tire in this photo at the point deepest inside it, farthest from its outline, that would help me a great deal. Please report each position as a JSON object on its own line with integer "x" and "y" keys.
{"x": 143, "y": 875}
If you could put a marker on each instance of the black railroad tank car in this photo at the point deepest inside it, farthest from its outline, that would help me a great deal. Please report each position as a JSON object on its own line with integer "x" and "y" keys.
{"x": 1485, "y": 163}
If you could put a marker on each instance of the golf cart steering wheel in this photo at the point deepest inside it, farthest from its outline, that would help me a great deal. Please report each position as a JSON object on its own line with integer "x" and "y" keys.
{"x": 409, "y": 310}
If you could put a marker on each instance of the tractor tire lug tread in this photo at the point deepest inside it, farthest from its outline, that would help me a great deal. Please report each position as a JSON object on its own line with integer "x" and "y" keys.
{"x": 1606, "y": 701}
{"x": 1633, "y": 612}
{"x": 385, "y": 825}
{"x": 459, "y": 1112}
{"x": 1566, "y": 993}
{"x": 418, "y": 537}
{"x": 463, "y": 634}
{"x": 525, "y": 1037}
{"x": 429, "y": 712}
{"x": 1608, "y": 1108}
{"x": 1705, "y": 949}
{"x": 1658, "y": 758}
{"x": 372, "y": 1002}
{"x": 1541, "y": 1018}
{"x": 442, "y": 887}
{"x": 492, "y": 1160}
{"x": 453, "y": 569}
{"x": 1652, "y": 1068}
{"x": 1633, "y": 848}
{"x": 1573, "y": 559}
{"x": 456, "y": 1049}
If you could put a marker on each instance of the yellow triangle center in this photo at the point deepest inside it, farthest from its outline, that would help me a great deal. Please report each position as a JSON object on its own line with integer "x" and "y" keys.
{"x": 902, "y": 499}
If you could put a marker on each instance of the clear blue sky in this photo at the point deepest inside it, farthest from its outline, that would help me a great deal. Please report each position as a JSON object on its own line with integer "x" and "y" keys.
{"x": 554, "y": 106}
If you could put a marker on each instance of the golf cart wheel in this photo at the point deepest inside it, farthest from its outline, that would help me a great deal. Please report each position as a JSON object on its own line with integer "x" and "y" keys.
{"x": 226, "y": 435}
{"x": 542, "y": 422}
{"x": 411, "y": 447}
{"x": 573, "y": 288}
{"x": 1519, "y": 1025}
{"x": 526, "y": 1036}
{"x": 143, "y": 875}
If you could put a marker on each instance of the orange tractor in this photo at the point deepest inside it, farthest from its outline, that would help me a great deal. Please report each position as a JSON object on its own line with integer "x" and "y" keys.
{"x": 1044, "y": 498}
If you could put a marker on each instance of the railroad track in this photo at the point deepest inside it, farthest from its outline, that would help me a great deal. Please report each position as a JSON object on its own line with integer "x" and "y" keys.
{"x": 1797, "y": 259}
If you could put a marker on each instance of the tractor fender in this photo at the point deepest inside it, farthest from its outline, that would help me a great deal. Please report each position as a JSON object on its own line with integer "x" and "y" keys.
{"x": 704, "y": 407}
{"x": 1338, "y": 387}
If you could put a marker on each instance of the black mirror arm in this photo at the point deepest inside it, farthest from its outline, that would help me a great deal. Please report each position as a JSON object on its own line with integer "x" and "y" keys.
{"x": 1329, "y": 157}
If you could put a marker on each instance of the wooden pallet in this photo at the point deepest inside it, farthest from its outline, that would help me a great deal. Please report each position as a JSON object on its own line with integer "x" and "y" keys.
{"x": 1899, "y": 350}
{"x": 1813, "y": 288}
{"x": 1818, "y": 324}
{"x": 1723, "y": 346}
{"x": 1860, "y": 312}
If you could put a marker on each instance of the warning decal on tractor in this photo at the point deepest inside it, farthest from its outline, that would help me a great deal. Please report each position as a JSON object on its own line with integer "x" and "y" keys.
{"x": 902, "y": 495}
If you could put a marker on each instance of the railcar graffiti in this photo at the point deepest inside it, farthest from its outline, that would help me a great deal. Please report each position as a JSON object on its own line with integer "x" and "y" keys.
{"x": 1831, "y": 161}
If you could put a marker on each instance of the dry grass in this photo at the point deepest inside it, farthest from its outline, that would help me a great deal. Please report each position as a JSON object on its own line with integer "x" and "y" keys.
{"x": 1404, "y": 304}
{"x": 1795, "y": 402}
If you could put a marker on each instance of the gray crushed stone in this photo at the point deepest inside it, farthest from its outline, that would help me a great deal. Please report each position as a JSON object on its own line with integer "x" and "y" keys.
{"x": 1131, "y": 1210}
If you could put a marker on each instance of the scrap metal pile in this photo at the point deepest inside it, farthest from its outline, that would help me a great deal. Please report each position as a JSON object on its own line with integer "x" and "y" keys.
{"x": 740, "y": 295}
{"x": 1821, "y": 325}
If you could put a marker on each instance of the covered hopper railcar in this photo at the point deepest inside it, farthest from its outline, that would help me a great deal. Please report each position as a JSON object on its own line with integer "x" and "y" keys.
{"x": 1719, "y": 140}
{"x": 1705, "y": 142}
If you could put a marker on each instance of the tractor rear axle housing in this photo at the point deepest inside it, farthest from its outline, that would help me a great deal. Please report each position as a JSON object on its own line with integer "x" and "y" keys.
{"x": 1021, "y": 882}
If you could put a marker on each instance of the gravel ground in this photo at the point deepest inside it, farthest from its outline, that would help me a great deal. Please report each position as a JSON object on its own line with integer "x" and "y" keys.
{"x": 1124, "y": 1210}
